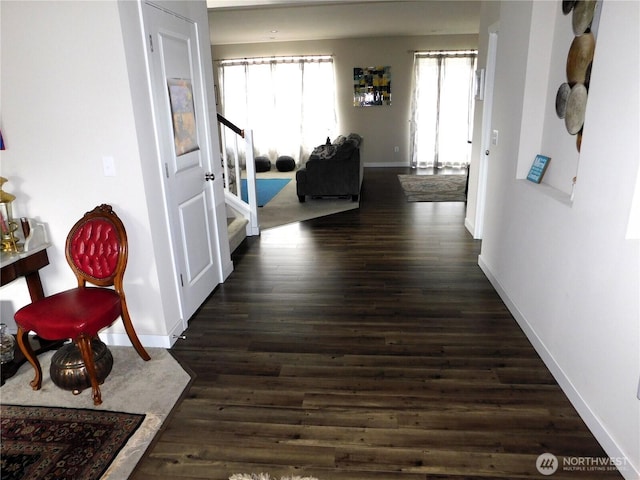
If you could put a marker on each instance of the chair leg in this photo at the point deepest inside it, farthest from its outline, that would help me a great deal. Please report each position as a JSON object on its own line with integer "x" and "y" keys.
{"x": 84, "y": 344}
{"x": 133, "y": 337}
{"x": 29, "y": 354}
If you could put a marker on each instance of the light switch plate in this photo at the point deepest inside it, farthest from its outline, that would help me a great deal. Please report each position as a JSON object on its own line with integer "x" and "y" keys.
{"x": 109, "y": 166}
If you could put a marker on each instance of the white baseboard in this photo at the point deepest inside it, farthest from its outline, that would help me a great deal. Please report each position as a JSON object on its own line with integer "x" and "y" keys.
{"x": 629, "y": 471}
{"x": 148, "y": 341}
{"x": 470, "y": 227}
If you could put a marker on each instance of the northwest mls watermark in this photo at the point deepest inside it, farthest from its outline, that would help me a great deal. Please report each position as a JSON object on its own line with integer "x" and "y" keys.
{"x": 548, "y": 464}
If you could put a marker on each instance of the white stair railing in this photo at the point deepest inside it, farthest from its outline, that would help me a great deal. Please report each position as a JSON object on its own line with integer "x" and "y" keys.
{"x": 232, "y": 169}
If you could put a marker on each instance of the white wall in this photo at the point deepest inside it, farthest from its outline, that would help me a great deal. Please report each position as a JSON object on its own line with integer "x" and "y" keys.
{"x": 566, "y": 269}
{"x": 382, "y": 127}
{"x": 66, "y": 103}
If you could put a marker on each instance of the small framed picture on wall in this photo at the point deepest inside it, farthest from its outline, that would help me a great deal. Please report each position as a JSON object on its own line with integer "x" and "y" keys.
{"x": 539, "y": 166}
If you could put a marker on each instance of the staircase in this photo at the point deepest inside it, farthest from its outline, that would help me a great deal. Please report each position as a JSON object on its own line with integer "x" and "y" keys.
{"x": 237, "y": 231}
{"x": 242, "y": 217}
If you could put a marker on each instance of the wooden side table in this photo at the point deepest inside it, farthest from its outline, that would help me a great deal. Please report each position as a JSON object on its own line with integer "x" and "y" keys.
{"x": 27, "y": 265}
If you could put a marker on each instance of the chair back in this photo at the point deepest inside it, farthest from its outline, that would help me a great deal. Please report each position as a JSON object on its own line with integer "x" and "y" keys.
{"x": 96, "y": 248}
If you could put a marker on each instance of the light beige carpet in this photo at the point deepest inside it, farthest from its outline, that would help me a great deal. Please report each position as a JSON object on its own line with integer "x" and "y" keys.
{"x": 133, "y": 386}
{"x": 285, "y": 208}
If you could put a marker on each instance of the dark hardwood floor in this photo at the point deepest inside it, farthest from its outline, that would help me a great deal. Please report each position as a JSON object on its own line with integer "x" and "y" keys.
{"x": 366, "y": 345}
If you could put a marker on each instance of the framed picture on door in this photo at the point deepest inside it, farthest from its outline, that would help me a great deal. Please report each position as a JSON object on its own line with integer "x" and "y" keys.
{"x": 183, "y": 116}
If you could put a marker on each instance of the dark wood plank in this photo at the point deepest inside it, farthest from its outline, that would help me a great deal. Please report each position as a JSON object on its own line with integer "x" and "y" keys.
{"x": 366, "y": 345}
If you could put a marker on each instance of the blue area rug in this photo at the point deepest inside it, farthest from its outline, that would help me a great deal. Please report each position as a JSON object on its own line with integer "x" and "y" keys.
{"x": 266, "y": 189}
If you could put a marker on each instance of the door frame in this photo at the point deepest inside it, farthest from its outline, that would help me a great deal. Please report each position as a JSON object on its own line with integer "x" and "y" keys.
{"x": 485, "y": 145}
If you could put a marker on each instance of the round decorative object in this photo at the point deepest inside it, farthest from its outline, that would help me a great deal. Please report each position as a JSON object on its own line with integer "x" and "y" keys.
{"x": 579, "y": 58}
{"x": 567, "y": 6}
{"x": 561, "y": 99}
{"x": 285, "y": 163}
{"x": 582, "y": 16}
{"x": 263, "y": 164}
{"x": 576, "y": 106}
{"x": 587, "y": 76}
{"x": 68, "y": 371}
{"x": 579, "y": 140}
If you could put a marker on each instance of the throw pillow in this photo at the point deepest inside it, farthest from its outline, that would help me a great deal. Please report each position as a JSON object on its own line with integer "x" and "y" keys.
{"x": 340, "y": 139}
{"x": 355, "y": 139}
{"x": 345, "y": 151}
{"x": 324, "y": 151}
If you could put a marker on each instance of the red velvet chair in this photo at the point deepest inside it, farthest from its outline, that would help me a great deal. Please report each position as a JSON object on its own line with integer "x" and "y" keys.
{"x": 96, "y": 250}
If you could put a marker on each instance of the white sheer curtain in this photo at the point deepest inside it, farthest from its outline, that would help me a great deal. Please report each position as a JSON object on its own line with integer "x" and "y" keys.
{"x": 288, "y": 102}
{"x": 442, "y": 108}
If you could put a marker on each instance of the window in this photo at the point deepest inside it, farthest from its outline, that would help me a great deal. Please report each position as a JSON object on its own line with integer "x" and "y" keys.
{"x": 288, "y": 102}
{"x": 442, "y": 108}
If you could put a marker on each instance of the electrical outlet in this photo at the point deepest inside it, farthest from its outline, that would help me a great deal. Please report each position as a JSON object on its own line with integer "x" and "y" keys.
{"x": 494, "y": 137}
{"x": 396, "y": 149}
{"x": 109, "y": 166}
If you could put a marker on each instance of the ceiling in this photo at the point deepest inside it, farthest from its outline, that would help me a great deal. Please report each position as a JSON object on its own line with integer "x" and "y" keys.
{"x": 256, "y": 21}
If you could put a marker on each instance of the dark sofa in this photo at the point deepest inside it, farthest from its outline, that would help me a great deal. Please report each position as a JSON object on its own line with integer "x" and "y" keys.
{"x": 333, "y": 169}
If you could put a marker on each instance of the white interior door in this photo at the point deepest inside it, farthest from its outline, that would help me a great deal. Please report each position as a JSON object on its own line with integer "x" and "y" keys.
{"x": 487, "y": 137}
{"x": 177, "y": 83}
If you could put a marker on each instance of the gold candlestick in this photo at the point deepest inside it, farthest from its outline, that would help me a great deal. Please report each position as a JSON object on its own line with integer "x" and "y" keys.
{"x": 7, "y": 226}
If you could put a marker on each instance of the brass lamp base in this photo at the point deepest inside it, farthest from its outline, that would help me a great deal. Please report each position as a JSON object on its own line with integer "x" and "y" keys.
{"x": 9, "y": 242}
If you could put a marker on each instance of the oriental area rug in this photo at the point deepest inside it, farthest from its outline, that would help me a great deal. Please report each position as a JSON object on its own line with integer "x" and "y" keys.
{"x": 61, "y": 443}
{"x": 434, "y": 188}
{"x": 147, "y": 391}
